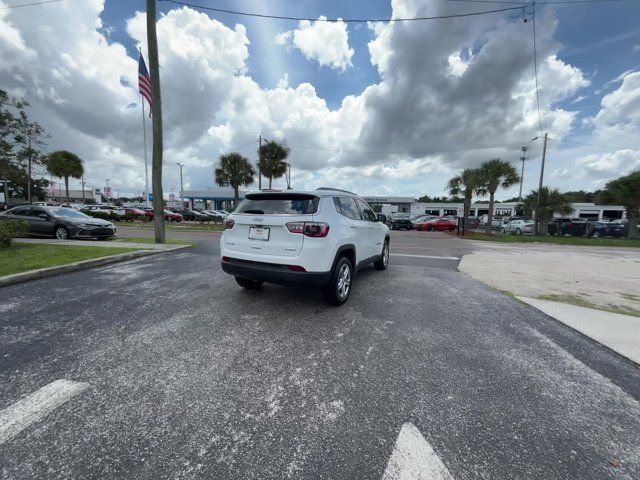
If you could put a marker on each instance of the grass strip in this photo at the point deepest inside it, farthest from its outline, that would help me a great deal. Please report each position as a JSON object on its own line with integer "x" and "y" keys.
{"x": 582, "y": 302}
{"x": 172, "y": 241}
{"x": 580, "y": 241}
{"x": 23, "y": 257}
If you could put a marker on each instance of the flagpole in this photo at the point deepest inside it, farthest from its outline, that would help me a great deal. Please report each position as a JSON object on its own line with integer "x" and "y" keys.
{"x": 146, "y": 163}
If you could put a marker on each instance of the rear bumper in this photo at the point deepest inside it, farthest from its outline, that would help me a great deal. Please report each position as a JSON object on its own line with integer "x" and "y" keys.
{"x": 273, "y": 273}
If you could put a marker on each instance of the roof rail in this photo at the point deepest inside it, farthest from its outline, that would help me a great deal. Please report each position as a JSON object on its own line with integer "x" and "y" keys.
{"x": 336, "y": 190}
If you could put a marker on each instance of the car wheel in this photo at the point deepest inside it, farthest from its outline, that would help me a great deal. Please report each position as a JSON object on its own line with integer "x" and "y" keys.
{"x": 430, "y": 228}
{"x": 338, "y": 289}
{"x": 383, "y": 263}
{"x": 596, "y": 234}
{"x": 248, "y": 284}
{"x": 518, "y": 231}
{"x": 61, "y": 233}
{"x": 502, "y": 230}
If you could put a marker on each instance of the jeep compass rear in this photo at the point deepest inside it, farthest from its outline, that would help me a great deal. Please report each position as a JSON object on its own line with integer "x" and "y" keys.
{"x": 317, "y": 238}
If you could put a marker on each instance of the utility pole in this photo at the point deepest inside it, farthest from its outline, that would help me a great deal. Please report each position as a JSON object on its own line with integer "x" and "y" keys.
{"x": 544, "y": 156}
{"x": 156, "y": 162}
{"x": 82, "y": 180}
{"x": 29, "y": 179}
{"x": 523, "y": 158}
{"x": 106, "y": 191}
{"x": 259, "y": 157}
{"x": 180, "y": 165}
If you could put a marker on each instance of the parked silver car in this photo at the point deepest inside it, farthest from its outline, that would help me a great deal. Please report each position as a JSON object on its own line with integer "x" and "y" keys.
{"x": 518, "y": 227}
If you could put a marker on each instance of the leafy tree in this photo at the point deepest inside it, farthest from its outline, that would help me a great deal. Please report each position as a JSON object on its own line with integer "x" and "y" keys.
{"x": 235, "y": 170}
{"x": 625, "y": 191}
{"x": 468, "y": 182}
{"x": 272, "y": 156}
{"x": 495, "y": 173}
{"x": 551, "y": 202}
{"x": 65, "y": 164}
{"x": 20, "y": 143}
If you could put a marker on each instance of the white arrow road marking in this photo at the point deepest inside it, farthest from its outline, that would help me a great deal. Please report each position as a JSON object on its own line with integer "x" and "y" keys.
{"x": 36, "y": 406}
{"x": 414, "y": 459}
{"x": 423, "y": 256}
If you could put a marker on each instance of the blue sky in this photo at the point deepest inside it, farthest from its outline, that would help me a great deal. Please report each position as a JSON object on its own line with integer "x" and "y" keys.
{"x": 405, "y": 92}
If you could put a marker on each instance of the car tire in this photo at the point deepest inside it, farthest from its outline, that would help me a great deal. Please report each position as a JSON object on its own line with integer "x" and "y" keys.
{"x": 383, "y": 263}
{"x": 518, "y": 231}
{"x": 502, "y": 230}
{"x": 60, "y": 233}
{"x": 249, "y": 284}
{"x": 337, "y": 291}
{"x": 430, "y": 228}
{"x": 596, "y": 234}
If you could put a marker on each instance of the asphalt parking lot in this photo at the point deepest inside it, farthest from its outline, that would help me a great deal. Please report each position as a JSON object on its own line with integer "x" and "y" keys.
{"x": 179, "y": 373}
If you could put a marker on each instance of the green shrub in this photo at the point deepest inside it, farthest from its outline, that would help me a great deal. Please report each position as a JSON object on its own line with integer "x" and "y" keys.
{"x": 129, "y": 217}
{"x": 94, "y": 214}
{"x": 145, "y": 218}
{"x": 10, "y": 229}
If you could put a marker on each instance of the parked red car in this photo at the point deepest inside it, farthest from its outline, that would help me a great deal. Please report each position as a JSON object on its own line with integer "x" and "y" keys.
{"x": 437, "y": 224}
{"x": 168, "y": 215}
{"x": 136, "y": 212}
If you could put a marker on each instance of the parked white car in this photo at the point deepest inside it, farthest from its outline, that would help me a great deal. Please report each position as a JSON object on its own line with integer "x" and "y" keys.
{"x": 316, "y": 238}
{"x": 518, "y": 227}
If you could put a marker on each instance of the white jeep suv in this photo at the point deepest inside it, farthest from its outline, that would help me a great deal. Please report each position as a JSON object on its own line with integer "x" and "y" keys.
{"x": 316, "y": 238}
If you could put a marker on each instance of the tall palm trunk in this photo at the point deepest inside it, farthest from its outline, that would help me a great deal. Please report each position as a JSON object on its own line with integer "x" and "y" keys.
{"x": 490, "y": 219}
{"x": 468, "y": 195}
{"x": 66, "y": 188}
{"x": 270, "y": 180}
{"x": 236, "y": 196}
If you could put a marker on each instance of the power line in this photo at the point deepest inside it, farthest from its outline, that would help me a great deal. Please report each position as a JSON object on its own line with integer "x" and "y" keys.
{"x": 535, "y": 67}
{"x": 229, "y": 151}
{"x": 29, "y": 4}
{"x": 347, "y": 20}
{"x": 594, "y": 145}
{"x": 303, "y": 147}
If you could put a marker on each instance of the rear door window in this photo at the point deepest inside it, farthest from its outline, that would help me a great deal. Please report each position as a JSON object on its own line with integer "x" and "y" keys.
{"x": 367, "y": 213}
{"x": 279, "y": 204}
{"x": 349, "y": 208}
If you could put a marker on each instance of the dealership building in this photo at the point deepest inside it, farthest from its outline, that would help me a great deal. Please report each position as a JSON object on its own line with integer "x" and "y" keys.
{"x": 222, "y": 198}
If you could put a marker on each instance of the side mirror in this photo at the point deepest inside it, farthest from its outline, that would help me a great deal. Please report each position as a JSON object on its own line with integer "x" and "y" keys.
{"x": 382, "y": 218}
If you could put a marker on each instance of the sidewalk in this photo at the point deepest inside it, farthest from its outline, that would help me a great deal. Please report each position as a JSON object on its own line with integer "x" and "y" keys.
{"x": 620, "y": 333}
{"x": 94, "y": 243}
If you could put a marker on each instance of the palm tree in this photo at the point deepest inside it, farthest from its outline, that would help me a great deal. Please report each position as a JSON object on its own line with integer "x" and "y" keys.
{"x": 234, "y": 170}
{"x": 551, "y": 202}
{"x": 65, "y": 164}
{"x": 625, "y": 191}
{"x": 272, "y": 155}
{"x": 467, "y": 183}
{"x": 496, "y": 173}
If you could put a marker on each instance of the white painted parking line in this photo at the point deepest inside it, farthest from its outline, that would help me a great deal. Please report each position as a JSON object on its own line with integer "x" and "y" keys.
{"x": 414, "y": 459}
{"x": 36, "y": 406}
{"x": 423, "y": 256}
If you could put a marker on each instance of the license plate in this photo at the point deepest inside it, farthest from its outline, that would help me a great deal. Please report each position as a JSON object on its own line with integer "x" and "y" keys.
{"x": 258, "y": 233}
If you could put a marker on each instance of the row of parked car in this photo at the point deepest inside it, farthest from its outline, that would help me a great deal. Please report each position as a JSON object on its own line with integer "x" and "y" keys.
{"x": 574, "y": 227}
{"x": 147, "y": 214}
{"x": 427, "y": 223}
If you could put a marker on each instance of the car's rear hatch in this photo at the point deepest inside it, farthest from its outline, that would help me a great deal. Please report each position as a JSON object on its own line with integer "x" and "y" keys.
{"x": 260, "y": 223}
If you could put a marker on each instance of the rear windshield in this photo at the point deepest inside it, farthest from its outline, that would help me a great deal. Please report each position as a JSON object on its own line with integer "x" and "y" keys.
{"x": 279, "y": 204}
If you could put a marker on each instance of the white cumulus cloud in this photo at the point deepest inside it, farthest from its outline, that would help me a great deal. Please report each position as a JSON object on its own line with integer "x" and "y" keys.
{"x": 322, "y": 41}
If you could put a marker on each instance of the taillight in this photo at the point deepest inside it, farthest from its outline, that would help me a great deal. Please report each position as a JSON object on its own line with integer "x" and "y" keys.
{"x": 309, "y": 229}
{"x": 228, "y": 223}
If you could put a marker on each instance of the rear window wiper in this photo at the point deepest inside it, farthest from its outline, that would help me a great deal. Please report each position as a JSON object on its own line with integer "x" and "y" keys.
{"x": 256, "y": 212}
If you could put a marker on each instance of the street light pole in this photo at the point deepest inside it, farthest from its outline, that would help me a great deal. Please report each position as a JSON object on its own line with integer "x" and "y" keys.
{"x": 107, "y": 189}
{"x": 523, "y": 157}
{"x": 180, "y": 165}
{"x": 259, "y": 156}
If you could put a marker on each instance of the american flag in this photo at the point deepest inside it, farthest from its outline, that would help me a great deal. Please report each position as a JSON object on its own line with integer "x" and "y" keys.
{"x": 144, "y": 82}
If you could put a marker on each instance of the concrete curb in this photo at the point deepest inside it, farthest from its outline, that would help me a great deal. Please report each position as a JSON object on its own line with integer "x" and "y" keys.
{"x": 613, "y": 331}
{"x": 82, "y": 265}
